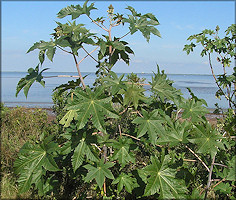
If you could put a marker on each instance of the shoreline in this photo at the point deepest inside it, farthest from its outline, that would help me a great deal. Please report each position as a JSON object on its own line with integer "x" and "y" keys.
{"x": 211, "y": 117}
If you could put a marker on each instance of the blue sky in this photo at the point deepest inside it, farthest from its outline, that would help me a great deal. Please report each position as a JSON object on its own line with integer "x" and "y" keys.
{"x": 26, "y": 22}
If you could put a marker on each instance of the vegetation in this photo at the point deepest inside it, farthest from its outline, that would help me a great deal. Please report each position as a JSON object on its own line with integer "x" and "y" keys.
{"x": 224, "y": 49}
{"x": 18, "y": 125}
{"x": 115, "y": 142}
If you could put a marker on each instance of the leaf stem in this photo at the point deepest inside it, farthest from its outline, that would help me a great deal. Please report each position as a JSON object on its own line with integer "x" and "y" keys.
{"x": 64, "y": 50}
{"x": 218, "y": 183}
{"x": 105, "y": 29}
{"x": 130, "y": 136}
{"x": 89, "y": 54}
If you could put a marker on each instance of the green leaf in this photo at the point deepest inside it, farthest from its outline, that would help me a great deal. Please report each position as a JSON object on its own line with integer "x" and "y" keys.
{"x": 32, "y": 159}
{"x": 94, "y": 105}
{"x": 122, "y": 151}
{"x": 232, "y": 170}
{"x": 224, "y": 188}
{"x": 161, "y": 180}
{"x": 69, "y": 85}
{"x": 193, "y": 109}
{"x": 69, "y": 116}
{"x": 162, "y": 87}
{"x": 177, "y": 133}
{"x": 76, "y": 11}
{"x": 26, "y": 83}
{"x": 50, "y": 53}
{"x": 196, "y": 98}
{"x": 143, "y": 23}
{"x": 81, "y": 150}
{"x": 133, "y": 95}
{"x": 78, "y": 156}
{"x": 150, "y": 123}
{"x": 127, "y": 181}
{"x": 99, "y": 173}
{"x": 207, "y": 139}
{"x": 114, "y": 82}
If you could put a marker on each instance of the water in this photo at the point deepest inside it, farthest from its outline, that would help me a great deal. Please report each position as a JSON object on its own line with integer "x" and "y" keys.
{"x": 203, "y": 86}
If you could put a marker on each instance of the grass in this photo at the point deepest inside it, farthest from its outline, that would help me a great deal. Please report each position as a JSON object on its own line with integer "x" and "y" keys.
{"x": 18, "y": 125}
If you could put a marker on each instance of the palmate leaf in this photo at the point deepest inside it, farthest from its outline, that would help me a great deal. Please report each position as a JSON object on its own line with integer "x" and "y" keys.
{"x": 143, "y": 23}
{"x": 44, "y": 47}
{"x": 28, "y": 80}
{"x": 150, "y": 123}
{"x": 69, "y": 116}
{"x": 207, "y": 139}
{"x": 162, "y": 87}
{"x": 76, "y": 11}
{"x": 99, "y": 173}
{"x": 133, "y": 94}
{"x": 161, "y": 179}
{"x": 92, "y": 104}
{"x": 193, "y": 109}
{"x": 33, "y": 159}
{"x": 69, "y": 85}
{"x": 176, "y": 133}
{"x": 127, "y": 181}
{"x": 232, "y": 170}
{"x": 79, "y": 154}
{"x": 122, "y": 151}
{"x": 114, "y": 82}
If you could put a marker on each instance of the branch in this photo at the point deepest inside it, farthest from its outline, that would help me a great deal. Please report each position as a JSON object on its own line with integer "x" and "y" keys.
{"x": 204, "y": 164}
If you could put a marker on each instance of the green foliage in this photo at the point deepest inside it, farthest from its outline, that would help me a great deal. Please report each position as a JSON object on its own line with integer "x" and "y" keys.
{"x": 224, "y": 49}
{"x": 127, "y": 181}
{"x": 117, "y": 141}
{"x": 122, "y": 151}
{"x": 90, "y": 104}
{"x": 150, "y": 123}
{"x": 18, "y": 126}
{"x": 162, "y": 180}
{"x": 26, "y": 83}
{"x": 193, "y": 109}
{"x": 162, "y": 88}
{"x": 99, "y": 172}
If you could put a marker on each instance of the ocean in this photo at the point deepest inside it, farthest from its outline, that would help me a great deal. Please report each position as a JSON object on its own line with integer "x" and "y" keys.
{"x": 203, "y": 86}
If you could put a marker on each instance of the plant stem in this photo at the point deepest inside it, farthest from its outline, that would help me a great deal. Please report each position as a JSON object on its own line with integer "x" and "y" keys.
{"x": 204, "y": 164}
{"x": 209, "y": 176}
{"x": 77, "y": 66}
